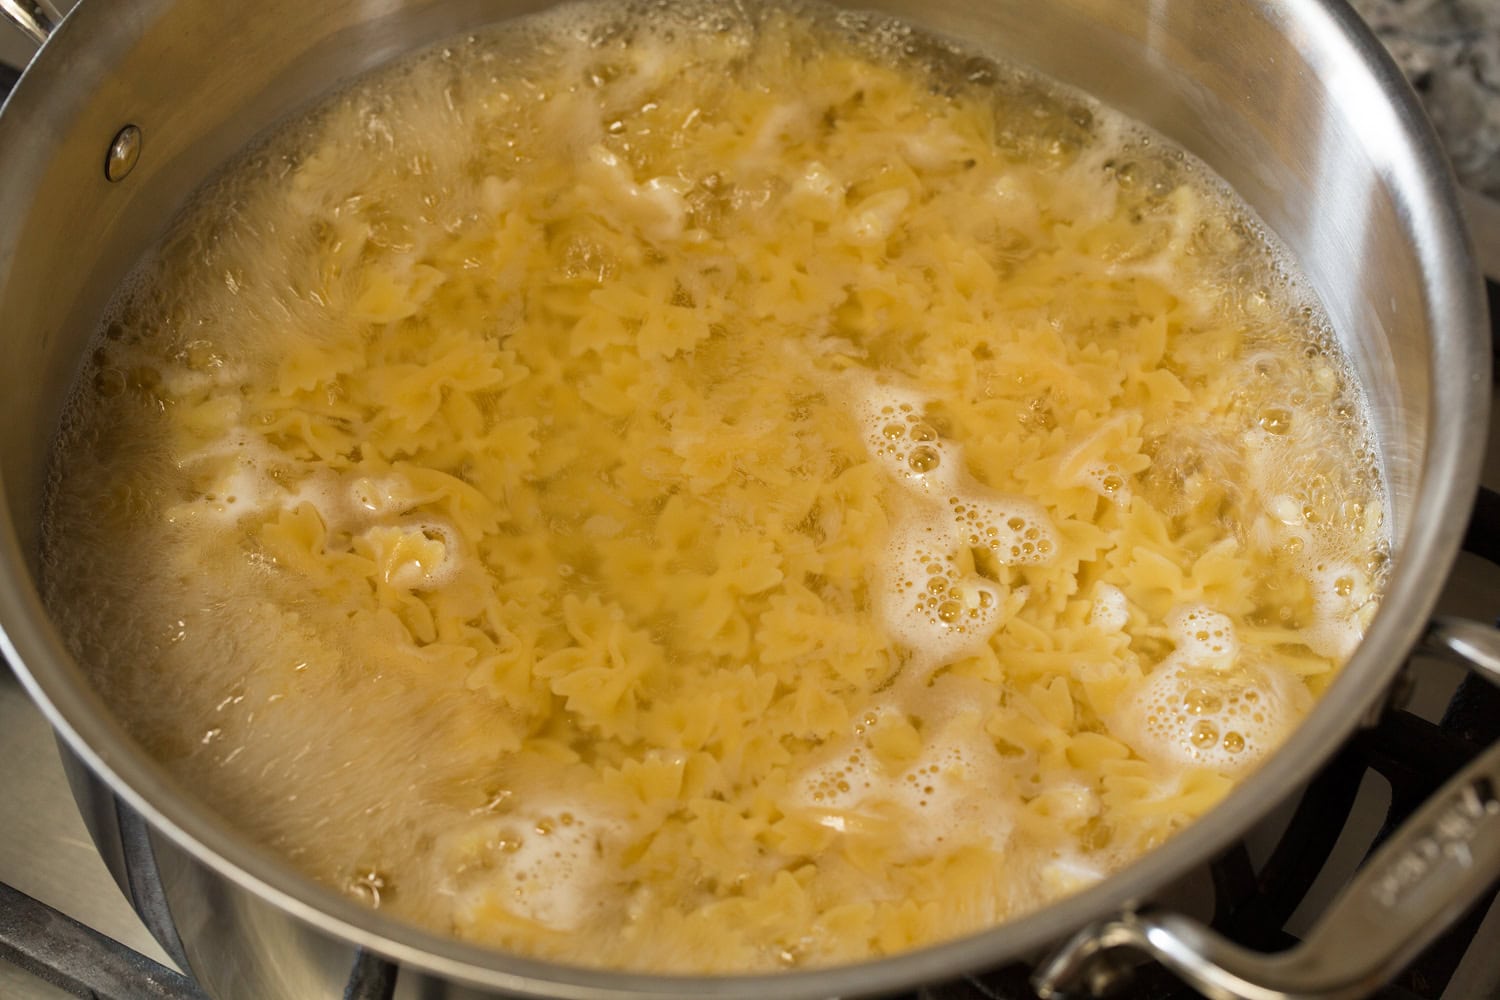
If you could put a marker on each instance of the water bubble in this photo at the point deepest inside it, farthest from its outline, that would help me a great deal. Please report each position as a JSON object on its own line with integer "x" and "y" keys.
{"x": 923, "y": 432}
{"x": 1202, "y": 702}
{"x": 1275, "y": 420}
{"x": 368, "y": 886}
{"x": 924, "y": 460}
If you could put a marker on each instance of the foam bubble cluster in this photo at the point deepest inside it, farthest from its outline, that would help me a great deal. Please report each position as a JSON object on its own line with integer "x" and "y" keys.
{"x": 1106, "y": 479}
{"x": 899, "y": 436}
{"x": 940, "y": 796}
{"x": 235, "y": 478}
{"x": 1204, "y": 638}
{"x": 933, "y": 599}
{"x": 1110, "y": 610}
{"x": 1339, "y": 593}
{"x": 548, "y": 865}
{"x": 1202, "y": 706}
{"x": 1323, "y": 542}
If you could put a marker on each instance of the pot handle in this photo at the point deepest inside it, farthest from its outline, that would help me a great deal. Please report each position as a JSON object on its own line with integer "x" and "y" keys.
{"x": 35, "y": 18}
{"x": 1425, "y": 876}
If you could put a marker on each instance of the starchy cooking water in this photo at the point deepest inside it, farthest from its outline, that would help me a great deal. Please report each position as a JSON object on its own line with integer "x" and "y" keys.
{"x": 688, "y": 487}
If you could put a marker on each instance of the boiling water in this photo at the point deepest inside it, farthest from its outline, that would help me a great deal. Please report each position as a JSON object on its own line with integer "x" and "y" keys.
{"x": 717, "y": 491}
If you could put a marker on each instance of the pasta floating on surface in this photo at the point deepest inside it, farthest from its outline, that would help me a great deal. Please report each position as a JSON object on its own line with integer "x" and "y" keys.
{"x": 725, "y": 492}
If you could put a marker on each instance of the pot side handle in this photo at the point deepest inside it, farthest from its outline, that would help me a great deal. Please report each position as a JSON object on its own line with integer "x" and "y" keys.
{"x": 1424, "y": 877}
{"x": 35, "y": 18}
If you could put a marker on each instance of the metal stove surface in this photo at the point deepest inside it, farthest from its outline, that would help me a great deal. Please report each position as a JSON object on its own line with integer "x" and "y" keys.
{"x": 44, "y": 849}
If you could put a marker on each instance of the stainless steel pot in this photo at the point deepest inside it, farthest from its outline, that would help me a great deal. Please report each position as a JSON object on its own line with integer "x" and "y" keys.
{"x": 1290, "y": 100}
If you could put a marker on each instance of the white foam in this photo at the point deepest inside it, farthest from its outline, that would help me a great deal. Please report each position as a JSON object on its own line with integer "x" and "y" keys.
{"x": 243, "y": 484}
{"x": 548, "y": 865}
{"x": 842, "y": 784}
{"x": 657, "y": 207}
{"x": 1341, "y": 593}
{"x": 1106, "y": 479}
{"x": 1202, "y": 707}
{"x": 1110, "y": 610}
{"x": 1204, "y": 638}
{"x": 898, "y": 436}
{"x": 930, "y": 602}
{"x": 930, "y": 595}
{"x": 945, "y": 797}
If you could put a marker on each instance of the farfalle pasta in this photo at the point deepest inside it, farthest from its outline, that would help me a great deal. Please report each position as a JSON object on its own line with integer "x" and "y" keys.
{"x": 717, "y": 491}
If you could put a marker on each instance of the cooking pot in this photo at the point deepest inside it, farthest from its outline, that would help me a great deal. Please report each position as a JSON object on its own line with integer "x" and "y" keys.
{"x": 130, "y": 105}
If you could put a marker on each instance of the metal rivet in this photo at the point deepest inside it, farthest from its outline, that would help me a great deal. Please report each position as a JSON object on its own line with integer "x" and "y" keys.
{"x": 124, "y": 151}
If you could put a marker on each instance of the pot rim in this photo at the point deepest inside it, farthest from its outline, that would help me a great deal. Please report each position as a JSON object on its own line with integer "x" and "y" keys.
{"x": 1451, "y": 463}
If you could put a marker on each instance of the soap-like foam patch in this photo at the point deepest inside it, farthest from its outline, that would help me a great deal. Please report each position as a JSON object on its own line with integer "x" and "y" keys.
{"x": 1341, "y": 592}
{"x": 1110, "y": 610}
{"x": 944, "y": 797}
{"x": 1203, "y": 707}
{"x": 930, "y": 596}
{"x": 1106, "y": 479}
{"x": 547, "y": 865}
{"x": 899, "y": 437}
{"x": 657, "y": 206}
{"x": 241, "y": 483}
{"x": 932, "y": 605}
{"x": 1204, "y": 638}
{"x": 844, "y": 783}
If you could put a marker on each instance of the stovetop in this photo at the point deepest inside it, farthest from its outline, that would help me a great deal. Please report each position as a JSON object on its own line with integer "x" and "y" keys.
{"x": 1451, "y": 51}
